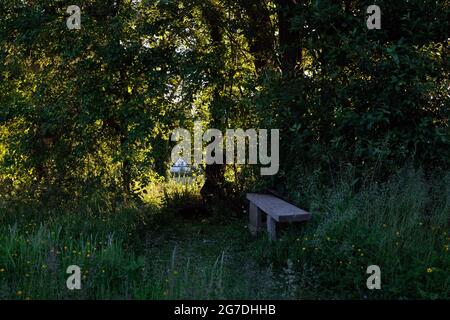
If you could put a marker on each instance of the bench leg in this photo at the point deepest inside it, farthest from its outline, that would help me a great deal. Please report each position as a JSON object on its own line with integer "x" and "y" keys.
{"x": 271, "y": 228}
{"x": 255, "y": 219}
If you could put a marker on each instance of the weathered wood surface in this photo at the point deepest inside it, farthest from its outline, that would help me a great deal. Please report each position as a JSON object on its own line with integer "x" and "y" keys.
{"x": 256, "y": 217}
{"x": 271, "y": 228}
{"x": 278, "y": 209}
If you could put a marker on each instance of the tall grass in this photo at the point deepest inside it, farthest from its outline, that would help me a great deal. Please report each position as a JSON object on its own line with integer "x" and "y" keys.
{"x": 144, "y": 252}
{"x": 402, "y": 225}
{"x": 119, "y": 250}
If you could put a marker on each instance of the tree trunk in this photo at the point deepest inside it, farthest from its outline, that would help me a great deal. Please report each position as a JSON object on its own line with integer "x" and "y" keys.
{"x": 260, "y": 34}
{"x": 289, "y": 40}
{"x": 215, "y": 174}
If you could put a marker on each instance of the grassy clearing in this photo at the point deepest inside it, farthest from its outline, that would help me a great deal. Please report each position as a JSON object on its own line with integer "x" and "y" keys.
{"x": 148, "y": 253}
{"x": 126, "y": 255}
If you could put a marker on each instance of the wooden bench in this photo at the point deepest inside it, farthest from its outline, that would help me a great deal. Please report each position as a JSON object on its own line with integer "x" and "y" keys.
{"x": 276, "y": 210}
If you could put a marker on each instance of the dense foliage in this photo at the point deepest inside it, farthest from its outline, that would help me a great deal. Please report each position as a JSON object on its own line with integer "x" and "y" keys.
{"x": 86, "y": 117}
{"x": 96, "y": 106}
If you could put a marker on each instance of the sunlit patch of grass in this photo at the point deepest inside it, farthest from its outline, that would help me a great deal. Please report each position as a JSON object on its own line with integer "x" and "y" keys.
{"x": 124, "y": 254}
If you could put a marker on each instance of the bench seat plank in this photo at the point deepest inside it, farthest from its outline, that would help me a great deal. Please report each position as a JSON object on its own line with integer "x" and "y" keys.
{"x": 278, "y": 209}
